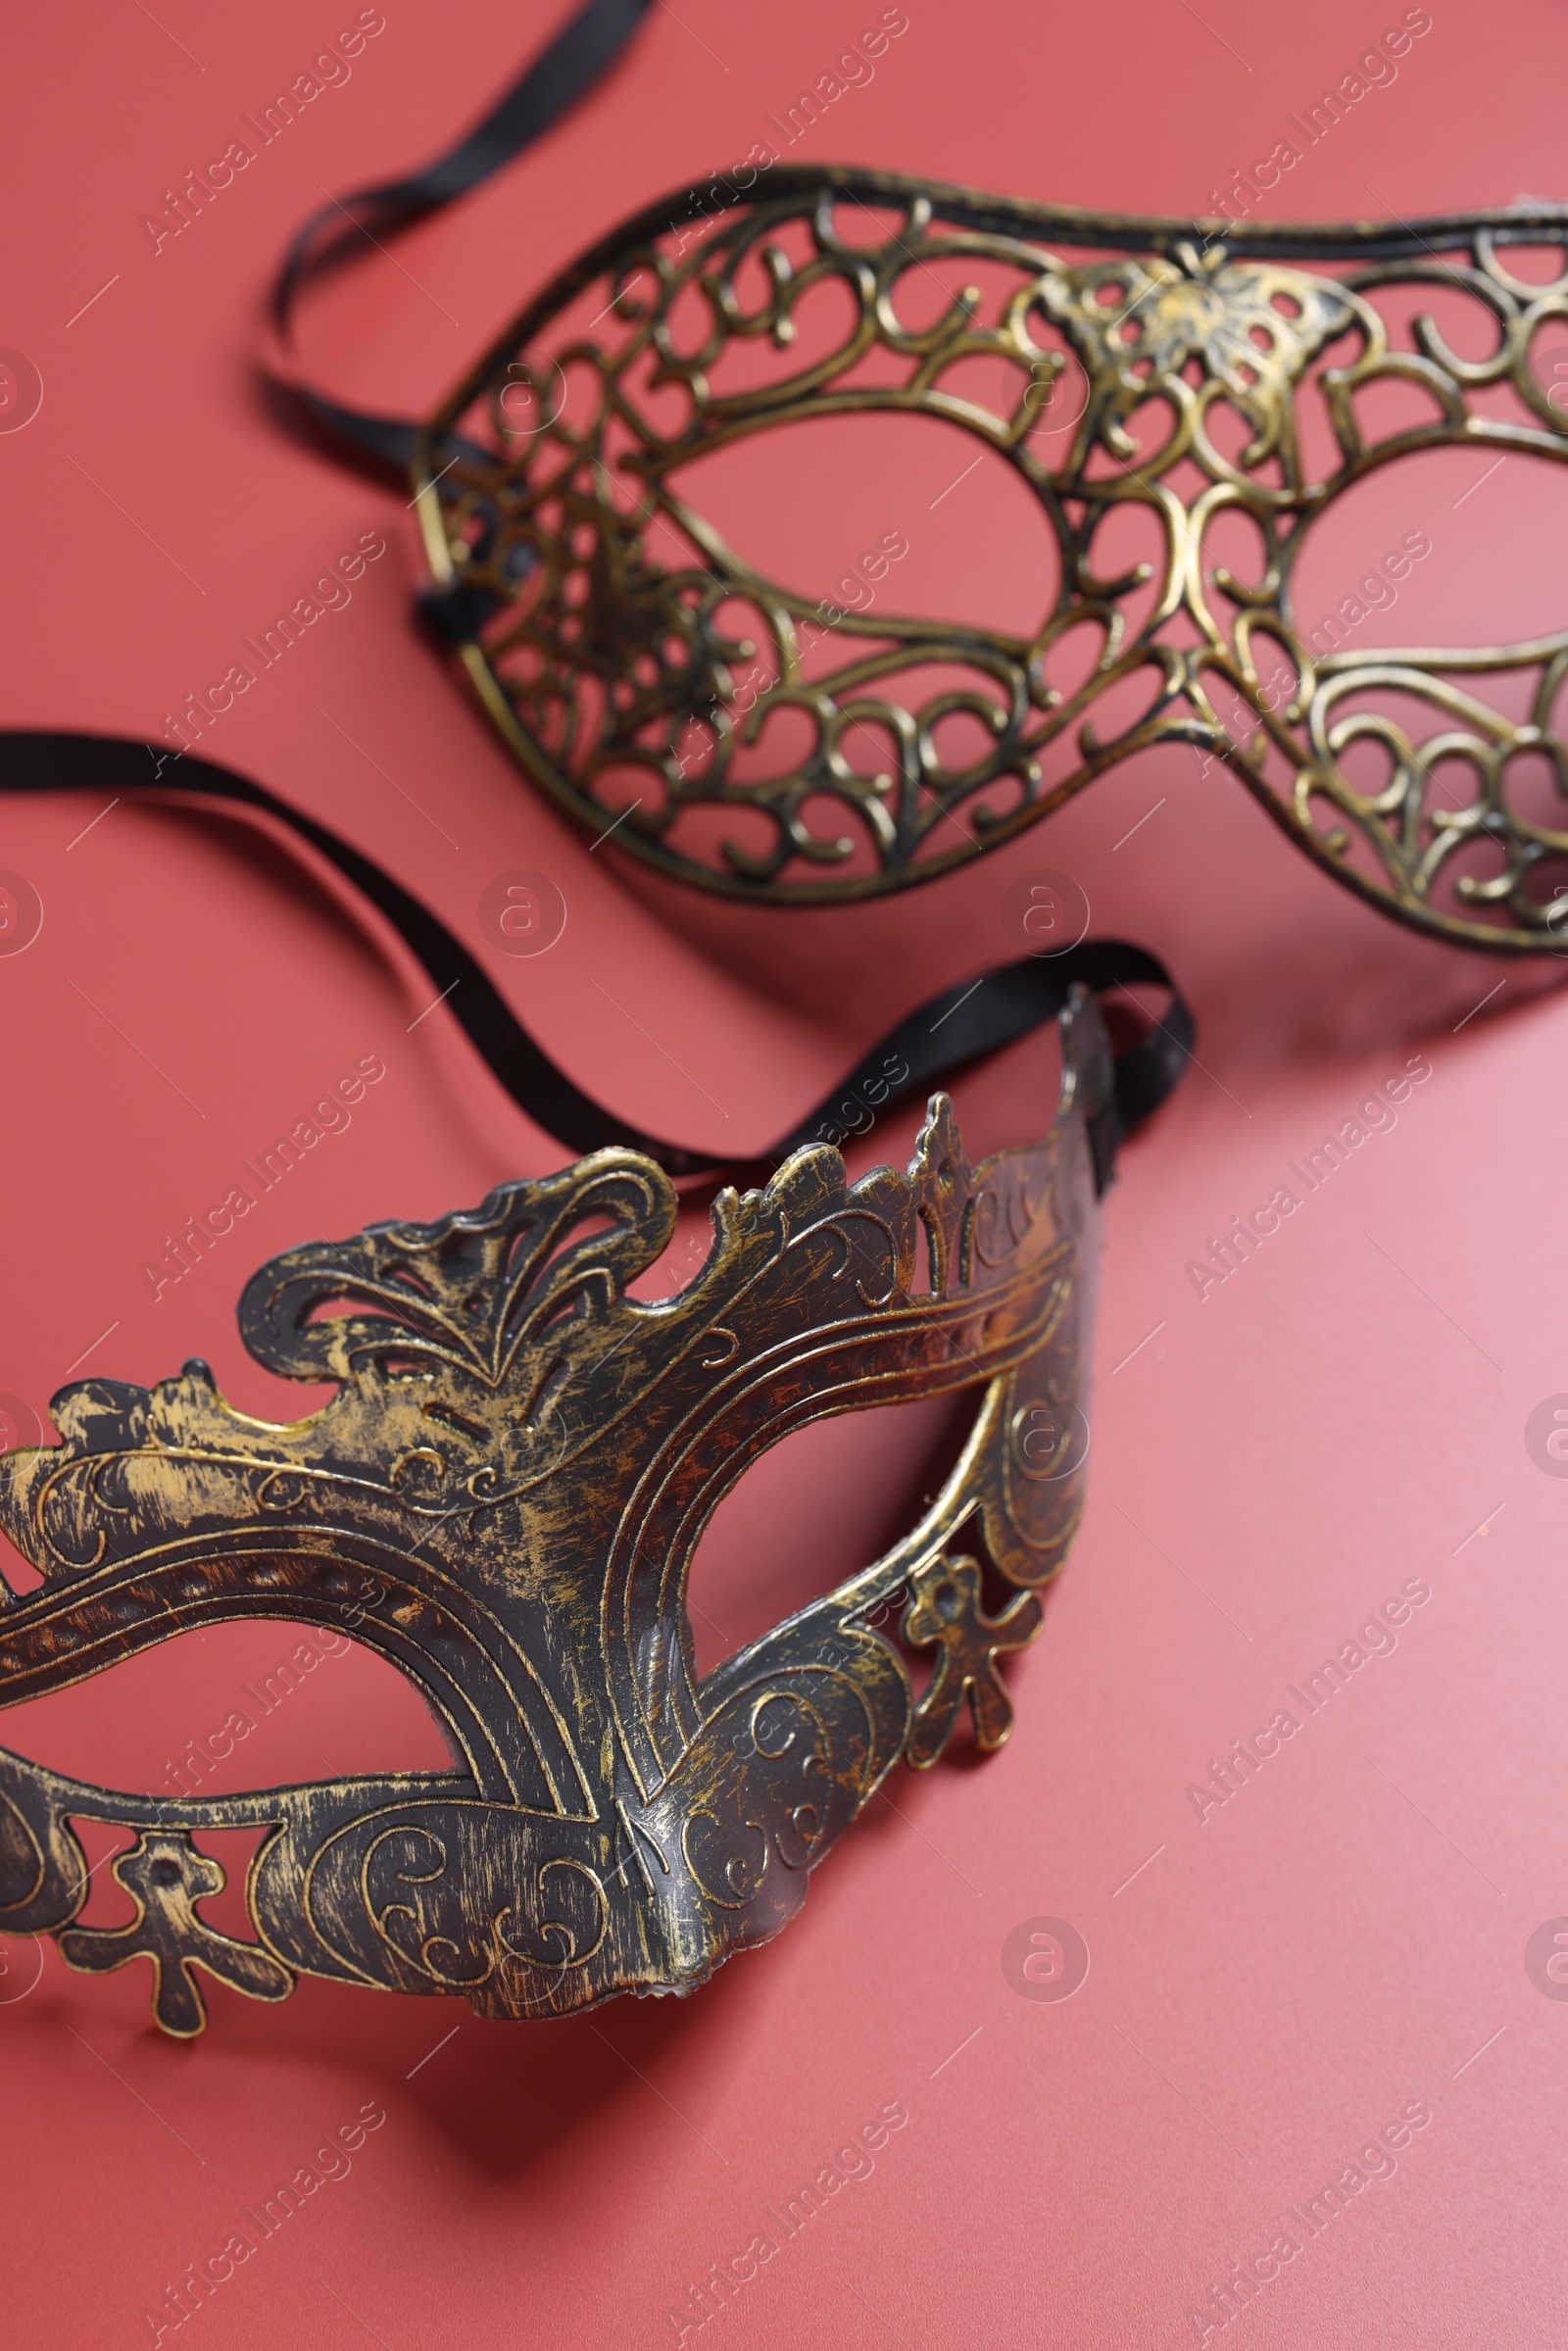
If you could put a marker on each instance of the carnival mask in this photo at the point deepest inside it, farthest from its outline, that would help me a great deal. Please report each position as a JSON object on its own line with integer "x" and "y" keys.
{"x": 504, "y": 1495}
{"x": 1189, "y": 383}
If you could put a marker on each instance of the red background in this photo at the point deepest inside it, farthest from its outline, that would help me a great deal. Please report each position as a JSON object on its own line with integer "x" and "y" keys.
{"x": 1276, "y": 1982}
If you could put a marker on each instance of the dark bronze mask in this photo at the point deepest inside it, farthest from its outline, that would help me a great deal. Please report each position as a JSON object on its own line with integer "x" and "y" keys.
{"x": 504, "y": 1498}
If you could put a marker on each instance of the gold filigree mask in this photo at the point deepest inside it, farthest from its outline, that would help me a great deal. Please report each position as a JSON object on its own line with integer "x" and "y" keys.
{"x": 1223, "y": 382}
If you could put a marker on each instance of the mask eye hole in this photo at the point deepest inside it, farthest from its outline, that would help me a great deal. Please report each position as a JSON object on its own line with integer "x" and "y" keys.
{"x": 888, "y": 513}
{"x": 1443, "y": 547}
{"x": 822, "y": 1503}
{"x": 261, "y": 1703}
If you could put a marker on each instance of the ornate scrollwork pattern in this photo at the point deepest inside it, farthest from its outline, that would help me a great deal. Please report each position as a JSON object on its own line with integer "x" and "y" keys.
{"x": 638, "y": 666}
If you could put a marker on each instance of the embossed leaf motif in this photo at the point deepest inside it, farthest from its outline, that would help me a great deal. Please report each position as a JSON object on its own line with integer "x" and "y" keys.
{"x": 646, "y": 629}
{"x": 166, "y": 1877}
{"x": 1252, "y": 325}
{"x": 946, "y": 1609}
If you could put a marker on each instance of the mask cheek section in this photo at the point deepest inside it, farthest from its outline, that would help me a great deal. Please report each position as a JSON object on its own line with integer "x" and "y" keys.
{"x": 1447, "y": 548}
